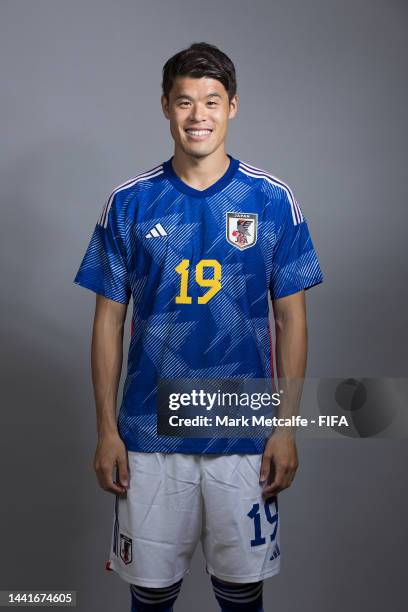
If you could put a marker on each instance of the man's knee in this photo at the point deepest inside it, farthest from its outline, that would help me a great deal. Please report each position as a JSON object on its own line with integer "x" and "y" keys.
{"x": 147, "y": 599}
{"x": 238, "y": 597}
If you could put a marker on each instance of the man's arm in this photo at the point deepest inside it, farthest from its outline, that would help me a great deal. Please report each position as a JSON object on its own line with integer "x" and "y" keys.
{"x": 106, "y": 361}
{"x": 280, "y": 461}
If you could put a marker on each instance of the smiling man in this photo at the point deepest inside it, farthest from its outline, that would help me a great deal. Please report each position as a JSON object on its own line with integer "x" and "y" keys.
{"x": 198, "y": 110}
{"x": 198, "y": 242}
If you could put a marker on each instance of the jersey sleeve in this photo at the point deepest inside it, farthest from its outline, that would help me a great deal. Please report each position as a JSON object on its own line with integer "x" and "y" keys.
{"x": 295, "y": 265}
{"x": 103, "y": 268}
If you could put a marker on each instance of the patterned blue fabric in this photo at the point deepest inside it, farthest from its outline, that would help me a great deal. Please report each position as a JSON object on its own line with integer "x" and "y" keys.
{"x": 198, "y": 266}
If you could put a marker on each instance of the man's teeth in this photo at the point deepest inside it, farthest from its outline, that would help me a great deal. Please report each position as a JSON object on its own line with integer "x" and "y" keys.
{"x": 199, "y": 132}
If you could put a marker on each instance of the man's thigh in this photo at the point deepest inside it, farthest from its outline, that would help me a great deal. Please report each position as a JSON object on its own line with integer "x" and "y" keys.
{"x": 157, "y": 525}
{"x": 241, "y": 535}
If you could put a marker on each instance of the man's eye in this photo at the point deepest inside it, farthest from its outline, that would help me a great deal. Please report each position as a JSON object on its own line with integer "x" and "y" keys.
{"x": 212, "y": 103}
{"x": 184, "y": 103}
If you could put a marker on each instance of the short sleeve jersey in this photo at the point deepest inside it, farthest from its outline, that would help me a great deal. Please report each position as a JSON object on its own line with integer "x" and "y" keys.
{"x": 198, "y": 265}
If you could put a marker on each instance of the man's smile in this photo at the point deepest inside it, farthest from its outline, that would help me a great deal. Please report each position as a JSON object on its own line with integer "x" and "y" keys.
{"x": 198, "y": 134}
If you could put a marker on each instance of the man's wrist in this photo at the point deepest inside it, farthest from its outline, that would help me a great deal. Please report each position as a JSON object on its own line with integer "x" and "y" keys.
{"x": 287, "y": 431}
{"x": 107, "y": 432}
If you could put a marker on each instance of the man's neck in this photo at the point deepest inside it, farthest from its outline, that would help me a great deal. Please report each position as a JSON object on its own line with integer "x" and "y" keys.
{"x": 200, "y": 172}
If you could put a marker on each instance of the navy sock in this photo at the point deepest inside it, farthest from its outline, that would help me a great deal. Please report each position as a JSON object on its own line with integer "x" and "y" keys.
{"x": 238, "y": 597}
{"x": 147, "y": 599}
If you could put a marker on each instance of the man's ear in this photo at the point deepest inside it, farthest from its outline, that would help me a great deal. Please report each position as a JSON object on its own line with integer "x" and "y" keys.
{"x": 165, "y": 106}
{"x": 233, "y": 106}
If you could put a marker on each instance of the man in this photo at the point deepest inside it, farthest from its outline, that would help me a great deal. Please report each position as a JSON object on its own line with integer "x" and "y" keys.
{"x": 198, "y": 241}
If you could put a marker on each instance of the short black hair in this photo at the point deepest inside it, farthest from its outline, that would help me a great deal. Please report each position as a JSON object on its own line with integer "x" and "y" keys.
{"x": 200, "y": 60}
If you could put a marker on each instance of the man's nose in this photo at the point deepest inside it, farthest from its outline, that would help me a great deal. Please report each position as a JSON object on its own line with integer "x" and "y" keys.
{"x": 198, "y": 112}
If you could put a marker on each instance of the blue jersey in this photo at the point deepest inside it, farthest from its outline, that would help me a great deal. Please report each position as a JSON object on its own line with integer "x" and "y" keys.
{"x": 198, "y": 265}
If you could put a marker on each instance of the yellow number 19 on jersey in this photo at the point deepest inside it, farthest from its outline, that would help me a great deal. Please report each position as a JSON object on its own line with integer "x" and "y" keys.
{"x": 213, "y": 283}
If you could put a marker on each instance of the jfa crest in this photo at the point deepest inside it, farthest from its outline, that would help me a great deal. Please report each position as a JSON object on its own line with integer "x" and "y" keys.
{"x": 125, "y": 549}
{"x": 242, "y": 229}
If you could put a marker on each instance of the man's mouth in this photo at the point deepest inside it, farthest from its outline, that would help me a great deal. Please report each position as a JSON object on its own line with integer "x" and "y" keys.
{"x": 198, "y": 134}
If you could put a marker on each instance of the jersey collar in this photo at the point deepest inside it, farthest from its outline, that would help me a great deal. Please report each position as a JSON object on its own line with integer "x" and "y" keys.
{"x": 197, "y": 193}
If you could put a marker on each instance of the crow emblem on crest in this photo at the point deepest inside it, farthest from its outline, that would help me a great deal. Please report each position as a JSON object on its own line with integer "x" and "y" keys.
{"x": 242, "y": 229}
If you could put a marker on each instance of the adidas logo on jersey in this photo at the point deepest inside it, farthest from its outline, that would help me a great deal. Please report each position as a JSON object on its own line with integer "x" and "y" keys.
{"x": 156, "y": 232}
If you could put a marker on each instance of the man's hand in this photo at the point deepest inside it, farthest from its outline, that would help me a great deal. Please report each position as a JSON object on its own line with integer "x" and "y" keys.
{"x": 110, "y": 452}
{"x": 279, "y": 464}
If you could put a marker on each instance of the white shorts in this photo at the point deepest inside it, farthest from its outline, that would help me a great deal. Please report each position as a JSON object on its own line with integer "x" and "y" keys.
{"x": 175, "y": 499}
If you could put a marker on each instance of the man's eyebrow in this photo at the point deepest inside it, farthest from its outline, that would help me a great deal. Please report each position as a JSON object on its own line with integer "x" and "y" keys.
{"x": 186, "y": 96}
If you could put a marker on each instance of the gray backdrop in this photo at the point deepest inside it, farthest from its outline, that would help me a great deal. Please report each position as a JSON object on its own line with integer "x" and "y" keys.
{"x": 323, "y": 100}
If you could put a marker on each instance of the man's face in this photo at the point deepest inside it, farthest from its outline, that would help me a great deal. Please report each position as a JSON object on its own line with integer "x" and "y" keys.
{"x": 198, "y": 110}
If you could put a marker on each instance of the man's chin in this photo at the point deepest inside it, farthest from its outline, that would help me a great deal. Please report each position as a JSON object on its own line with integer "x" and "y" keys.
{"x": 198, "y": 152}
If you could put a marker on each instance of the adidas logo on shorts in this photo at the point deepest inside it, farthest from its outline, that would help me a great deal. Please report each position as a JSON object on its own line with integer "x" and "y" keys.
{"x": 276, "y": 553}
